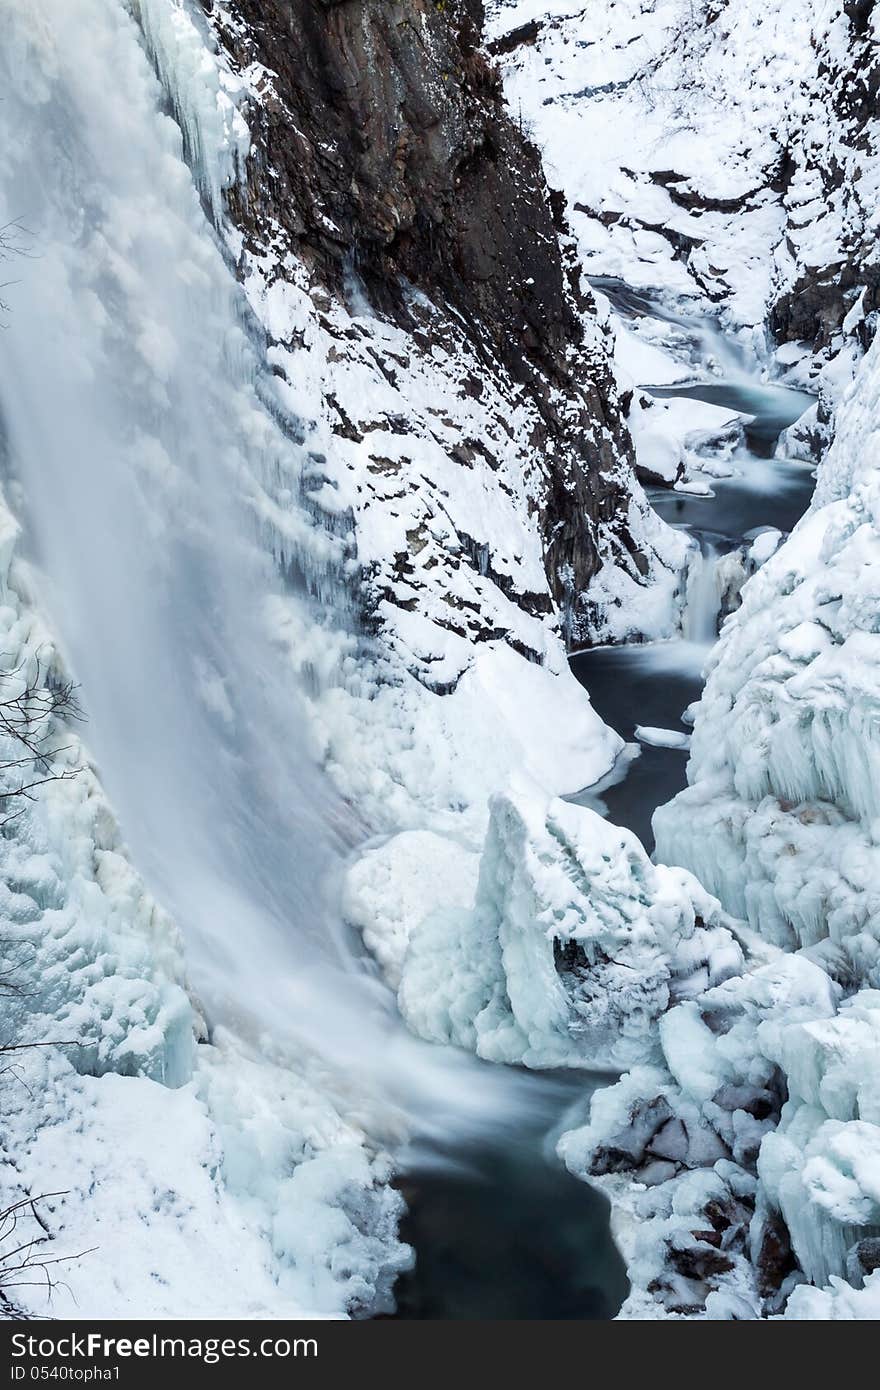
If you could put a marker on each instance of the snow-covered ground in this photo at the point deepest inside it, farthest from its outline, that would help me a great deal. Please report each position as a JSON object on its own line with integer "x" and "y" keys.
{"x": 720, "y": 155}
{"x": 697, "y": 142}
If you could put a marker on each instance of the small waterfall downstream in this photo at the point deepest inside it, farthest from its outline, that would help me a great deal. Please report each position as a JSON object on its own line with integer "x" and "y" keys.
{"x": 702, "y": 604}
{"x": 653, "y": 685}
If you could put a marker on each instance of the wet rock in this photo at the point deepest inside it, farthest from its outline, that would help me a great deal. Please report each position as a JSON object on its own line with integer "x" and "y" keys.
{"x": 775, "y": 1259}
{"x": 699, "y": 1260}
{"x": 862, "y": 1259}
{"x": 626, "y": 1148}
{"x": 523, "y": 35}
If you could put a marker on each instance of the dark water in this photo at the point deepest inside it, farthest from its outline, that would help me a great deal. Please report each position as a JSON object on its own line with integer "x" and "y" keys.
{"x": 772, "y": 407}
{"x": 650, "y": 685}
{"x": 503, "y": 1231}
{"x": 653, "y": 684}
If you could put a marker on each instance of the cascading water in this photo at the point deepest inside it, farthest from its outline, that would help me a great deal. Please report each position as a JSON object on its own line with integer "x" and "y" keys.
{"x": 652, "y": 685}
{"x": 699, "y": 622}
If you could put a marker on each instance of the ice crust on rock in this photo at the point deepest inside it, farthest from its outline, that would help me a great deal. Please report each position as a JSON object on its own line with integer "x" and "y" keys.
{"x": 681, "y": 1146}
{"x": 168, "y": 1155}
{"x": 779, "y": 820}
{"x": 571, "y": 949}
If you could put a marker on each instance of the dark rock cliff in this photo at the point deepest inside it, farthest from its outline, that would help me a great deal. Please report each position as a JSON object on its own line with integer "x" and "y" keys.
{"x": 383, "y": 150}
{"x": 815, "y": 306}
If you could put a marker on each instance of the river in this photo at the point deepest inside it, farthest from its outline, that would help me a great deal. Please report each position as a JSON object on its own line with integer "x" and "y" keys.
{"x": 500, "y": 1229}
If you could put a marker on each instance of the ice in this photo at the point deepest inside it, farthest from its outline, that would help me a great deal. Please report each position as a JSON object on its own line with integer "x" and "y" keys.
{"x": 197, "y": 533}
{"x": 204, "y": 93}
{"x": 782, "y": 772}
{"x": 780, "y": 821}
{"x": 571, "y": 950}
{"x": 662, "y": 738}
{"x": 158, "y": 480}
{"x": 391, "y": 888}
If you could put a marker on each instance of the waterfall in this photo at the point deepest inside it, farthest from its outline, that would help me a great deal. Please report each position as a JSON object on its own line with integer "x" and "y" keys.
{"x": 161, "y": 482}
{"x": 702, "y": 595}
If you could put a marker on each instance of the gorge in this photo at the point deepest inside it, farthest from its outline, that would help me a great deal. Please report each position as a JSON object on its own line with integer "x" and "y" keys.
{"x": 397, "y": 400}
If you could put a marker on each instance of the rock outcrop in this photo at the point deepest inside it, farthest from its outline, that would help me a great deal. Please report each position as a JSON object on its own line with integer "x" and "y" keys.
{"x": 383, "y": 159}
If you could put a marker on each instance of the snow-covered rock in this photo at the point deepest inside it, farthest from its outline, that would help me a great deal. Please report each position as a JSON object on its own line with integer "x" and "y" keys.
{"x": 779, "y": 820}
{"x": 565, "y": 952}
{"x": 681, "y": 1146}
{"x": 719, "y": 151}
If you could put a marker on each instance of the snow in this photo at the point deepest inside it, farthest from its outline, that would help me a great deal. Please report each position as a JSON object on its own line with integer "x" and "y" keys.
{"x": 154, "y": 484}
{"x": 239, "y": 1194}
{"x": 676, "y": 1144}
{"x": 779, "y": 820}
{"x": 644, "y": 87}
{"x": 711, "y": 155}
{"x": 662, "y": 738}
{"x": 391, "y": 888}
{"x": 781, "y": 775}
{"x": 566, "y": 954}
{"x": 219, "y": 1117}
{"x": 199, "y": 518}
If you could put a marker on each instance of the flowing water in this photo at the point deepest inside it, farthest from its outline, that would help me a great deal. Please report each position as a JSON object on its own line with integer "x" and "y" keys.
{"x": 653, "y": 684}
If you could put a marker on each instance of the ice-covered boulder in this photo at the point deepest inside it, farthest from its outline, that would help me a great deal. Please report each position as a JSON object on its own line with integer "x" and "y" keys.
{"x": 569, "y": 950}
{"x": 393, "y": 886}
{"x": 680, "y": 1145}
{"x": 821, "y": 1167}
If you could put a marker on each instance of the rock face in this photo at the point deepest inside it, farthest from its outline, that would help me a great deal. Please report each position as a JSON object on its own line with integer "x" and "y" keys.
{"x": 383, "y": 158}
{"x": 824, "y": 292}
{"x": 700, "y": 157}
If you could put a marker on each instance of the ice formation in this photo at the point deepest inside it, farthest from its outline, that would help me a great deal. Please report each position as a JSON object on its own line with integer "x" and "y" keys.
{"x": 231, "y": 462}
{"x": 779, "y": 820}
{"x": 742, "y": 1158}
{"x": 165, "y": 1153}
{"x": 565, "y": 951}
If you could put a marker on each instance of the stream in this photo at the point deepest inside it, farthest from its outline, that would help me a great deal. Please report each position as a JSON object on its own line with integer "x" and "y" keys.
{"x": 501, "y": 1230}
